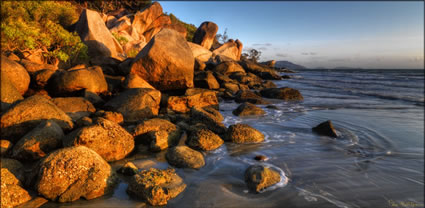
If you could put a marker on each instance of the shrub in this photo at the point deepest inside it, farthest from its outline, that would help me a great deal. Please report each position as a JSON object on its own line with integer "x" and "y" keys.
{"x": 31, "y": 25}
{"x": 106, "y": 6}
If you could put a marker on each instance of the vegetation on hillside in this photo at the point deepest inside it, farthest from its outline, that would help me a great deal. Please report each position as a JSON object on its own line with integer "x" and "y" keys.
{"x": 191, "y": 29}
{"x": 33, "y": 25}
{"x": 105, "y": 6}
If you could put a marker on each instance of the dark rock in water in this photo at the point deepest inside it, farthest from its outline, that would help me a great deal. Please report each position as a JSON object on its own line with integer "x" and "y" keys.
{"x": 326, "y": 129}
{"x": 259, "y": 177}
{"x": 185, "y": 157}
{"x": 156, "y": 186}
{"x": 128, "y": 169}
{"x": 272, "y": 107}
{"x": 284, "y": 93}
{"x": 249, "y": 96}
{"x": 248, "y": 109}
{"x": 261, "y": 158}
{"x": 243, "y": 133}
{"x": 286, "y": 77}
{"x": 204, "y": 139}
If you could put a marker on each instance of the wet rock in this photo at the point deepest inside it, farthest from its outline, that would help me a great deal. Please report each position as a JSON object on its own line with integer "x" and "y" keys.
{"x": 70, "y": 173}
{"x": 249, "y": 96}
{"x": 141, "y": 131}
{"x": 5, "y": 146}
{"x": 269, "y": 84}
{"x": 243, "y": 133}
{"x": 272, "y": 107}
{"x": 166, "y": 62}
{"x": 185, "y": 157}
{"x": 210, "y": 117}
{"x": 134, "y": 81}
{"x": 37, "y": 143}
{"x": 75, "y": 107}
{"x": 16, "y": 74}
{"x": 90, "y": 79}
{"x": 105, "y": 137}
{"x": 194, "y": 97}
{"x": 26, "y": 115}
{"x": 259, "y": 177}
{"x": 128, "y": 169}
{"x": 286, "y": 77}
{"x": 156, "y": 186}
{"x": 136, "y": 104}
{"x": 228, "y": 67}
{"x": 248, "y": 109}
{"x": 205, "y": 34}
{"x": 284, "y": 93}
{"x": 206, "y": 80}
{"x": 326, "y": 129}
{"x": 204, "y": 139}
{"x": 261, "y": 158}
{"x": 9, "y": 94}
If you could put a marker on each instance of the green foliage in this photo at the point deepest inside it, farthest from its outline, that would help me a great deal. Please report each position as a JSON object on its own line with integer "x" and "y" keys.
{"x": 191, "y": 29}
{"x": 132, "y": 53}
{"x": 32, "y": 25}
{"x": 106, "y": 6}
{"x": 122, "y": 40}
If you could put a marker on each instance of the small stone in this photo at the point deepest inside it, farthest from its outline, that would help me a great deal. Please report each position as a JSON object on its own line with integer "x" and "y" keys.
{"x": 259, "y": 177}
{"x": 128, "y": 169}
{"x": 5, "y": 146}
{"x": 185, "y": 157}
{"x": 326, "y": 129}
{"x": 261, "y": 158}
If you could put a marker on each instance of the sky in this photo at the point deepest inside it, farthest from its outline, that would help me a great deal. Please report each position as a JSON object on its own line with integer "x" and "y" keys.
{"x": 330, "y": 34}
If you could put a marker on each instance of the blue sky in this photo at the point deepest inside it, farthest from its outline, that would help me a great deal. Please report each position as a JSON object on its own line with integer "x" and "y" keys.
{"x": 319, "y": 34}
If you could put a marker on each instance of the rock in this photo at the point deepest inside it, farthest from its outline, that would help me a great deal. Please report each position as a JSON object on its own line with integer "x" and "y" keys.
{"x": 105, "y": 137}
{"x": 156, "y": 26}
{"x": 259, "y": 177}
{"x": 204, "y": 139}
{"x": 156, "y": 186}
{"x": 12, "y": 194}
{"x": 162, "y": 139}
{"x": 210, "y": 117}
{"x": 9, "y": 94}
{"x": 272, "y": 107}
{"x": 284, "y": 93}
{"x": 206, "y": 80}
{"x": 248, "y": 109}
{"x": 263, "y": 72}
{"x": 231, "y": 49}
{"x": 261, "y": 158}
{"x": 231, "y": 87}
{"x": 27, "y": 114}
{"x": 205, "y": 34}
{"x": 249, "y": 96}
{"x": 34, "y": 203}
{"x": 42, "y": 77}
{"x": 33, "y": 67}
{"x": 286, "y": 77}
{"x": 199, "y": 52}
{"x": 94, "y": 33}
{"x": 90, "y": 79}
{"x": 93, "y": 98}
{"x": 5, "y": 146}
{"x": 84, "y": 121}
{"x": 178, "y": 27}
{"x": 128, "y": 169}
{"x": 166, "y": 62}
{"x": 269, "y": 84}
{"x": 228, "y": 67}
{"x": 326, "y": 129}
{"x": 15, "y": 169}
{"x": 243, "y": 133}
{"x": 136, "y": 104}
{"x": 199, "y": 65}
{"x": 193, "y": 97}
{"x": 13, "y": 57}
{"x": 16, "y": 74}
{"x": 154, "y": 125}
{"x": 112, "y": 116}
{"x": 37, "y": 143}
{"x": 185, "y": 157}
{"x": 144, "y": 18}
{"x": 70, "y": 173}
{"x": 75, "y": 107}
{"x": 111, "y": 21}
{"x": 134, "y": 81}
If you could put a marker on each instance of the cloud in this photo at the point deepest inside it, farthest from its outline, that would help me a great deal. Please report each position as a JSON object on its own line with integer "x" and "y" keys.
{"x": 339, "y": 60}
{"x": 262, "y": 48}
{"x": 281, "y": 55}
{"x": 308, "y": 53}
{"x": 262, "y": 44}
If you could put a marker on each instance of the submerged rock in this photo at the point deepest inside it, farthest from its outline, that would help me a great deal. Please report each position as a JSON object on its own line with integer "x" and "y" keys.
{"x": 185, "y": 157}
{"x": 204, "y": 139}
{"x": 248, "y": 109}
{"x": 259, "y": 177}
{"x": 284, "y": 93}
{"x": 326, "y": 129}
{"x": 261, "y": 158}
{"x": 128, "y": 169}
{"x": 156, "y": 186}
{"x": 243, "y": 133}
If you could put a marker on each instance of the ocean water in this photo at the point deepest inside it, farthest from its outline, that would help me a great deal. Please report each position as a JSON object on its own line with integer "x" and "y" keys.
{"x": 378, "y": 160}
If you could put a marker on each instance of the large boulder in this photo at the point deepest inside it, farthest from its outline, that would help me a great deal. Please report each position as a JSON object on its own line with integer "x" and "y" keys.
{"x": 228, "y": 67}
{"x": 204, "y": 139}
{"x": 42, "y": 77}
{"x": 284, "y": 93}
{"x": 156, "y": 26}
{"x": 248, "y": 109}
{"x": 243, "y": 133}
{"x": 75, "y": 107}
{"x": 26, "y": 115}
{"x": 142, "y": 130}
{"x": 185, "y": 157}
{"x": 166, "y": 62}
{"x": 15, "y": 73}
{"x": 105, "y": 137}
{"x": 156, "y": 186}
{"x": 231, "y": 49}
{"x": 205, "y": 34}
{"x": 261, "y": 71}
{"x": 259, "y": 177}
{"x": 200, "y": 52}
{"x": 162, "y": 139}
{"x": 134, "y": 81}
{"x": 94, "y": 33}
{"x": 326, "y": 129}
{"x": 37, "y": 143}
{"x": 206, "y": 79}
{"x": 136, "y": 104}
{"x": 210, "y": 117}
{"x": 90, "y": 79}
{"x": 178, "y": 27}
{"x": 70, "y": 173}
{"x": 193, "y": 97}
{"x": 144, "y": 18}
{"x": 249, "y": 96}
{"x": 33, "y": 67}
{"x": 9, "y": 94}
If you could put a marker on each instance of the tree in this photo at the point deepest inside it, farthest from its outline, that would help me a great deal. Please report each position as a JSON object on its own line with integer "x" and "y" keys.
{"x": 252, "y": 55}
{"x": 105, "y": 6}
{"x": 222, "y": 38}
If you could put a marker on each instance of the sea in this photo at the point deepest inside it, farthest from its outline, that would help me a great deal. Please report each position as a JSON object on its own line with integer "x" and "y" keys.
{"x": 376, "y": 161}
